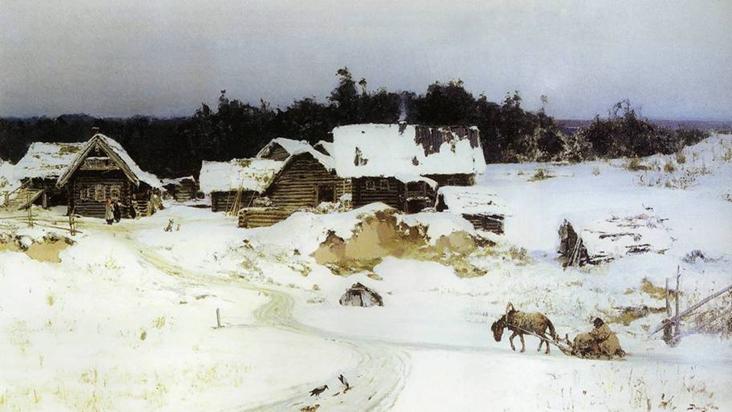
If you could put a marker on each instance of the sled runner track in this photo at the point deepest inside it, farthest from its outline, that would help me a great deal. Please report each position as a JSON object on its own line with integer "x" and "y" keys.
{"x": 376, "y": 380}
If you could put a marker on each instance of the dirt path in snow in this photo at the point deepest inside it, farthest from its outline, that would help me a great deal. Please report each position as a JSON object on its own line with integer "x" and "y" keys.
{"x": 376, "y": 381}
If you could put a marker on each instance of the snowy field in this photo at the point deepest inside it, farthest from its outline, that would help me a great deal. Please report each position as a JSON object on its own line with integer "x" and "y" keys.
{"x": 125, "y": 317}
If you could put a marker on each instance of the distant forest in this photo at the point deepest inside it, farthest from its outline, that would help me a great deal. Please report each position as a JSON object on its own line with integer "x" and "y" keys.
{"x": 176, "y": 146}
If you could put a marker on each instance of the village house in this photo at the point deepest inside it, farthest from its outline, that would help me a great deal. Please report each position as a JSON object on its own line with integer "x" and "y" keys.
{"x": 82, "y": 176}
{"x": 182, "y": 189}
{"x": 235, "y": 184}
{"x": 286, "y": 175}
{"x": 39, "y": 170}
{"x": 403, "y": 165}
{"x": 102, "y": 169}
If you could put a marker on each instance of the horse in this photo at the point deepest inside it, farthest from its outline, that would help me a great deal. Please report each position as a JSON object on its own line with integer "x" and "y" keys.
{"x": 519, "y": 323}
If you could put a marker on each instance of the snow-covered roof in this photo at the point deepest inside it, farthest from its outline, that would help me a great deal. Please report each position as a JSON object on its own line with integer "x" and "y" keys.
{"x": 47, "y": 160}
{"x": 327, "y": 146}
{"x": 116, "y": 152}
{"x": 406, "y": 178}
{"x": 391, "y": 149}
{"x": 8, "y": 181}
{"x": 471, "y": 200}
{"x": 294, "y": 148}
{"x": 244, "y": 174}
{"x": 177, "y": 180}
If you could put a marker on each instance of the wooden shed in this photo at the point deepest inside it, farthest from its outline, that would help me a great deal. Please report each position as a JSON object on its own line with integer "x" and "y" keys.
{"x": 182, "y": 189}
{"x": 235, "y": 184}
{"x": 102, "y": 169}
{"x": 476, "y": 204}
{"x": 39, "y": 171}
{"x": 306, "y": 179}
{"x": 403, "y": 165}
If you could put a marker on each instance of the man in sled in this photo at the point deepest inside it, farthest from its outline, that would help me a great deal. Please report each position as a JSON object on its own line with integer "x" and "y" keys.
{"x": 601, "y": 342}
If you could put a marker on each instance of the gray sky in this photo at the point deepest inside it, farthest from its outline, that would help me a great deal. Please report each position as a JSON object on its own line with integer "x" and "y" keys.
{"x": 673, "y": 59}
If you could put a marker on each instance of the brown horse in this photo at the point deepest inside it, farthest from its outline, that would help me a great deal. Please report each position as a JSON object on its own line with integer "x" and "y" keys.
{"x": 520, "y": 323}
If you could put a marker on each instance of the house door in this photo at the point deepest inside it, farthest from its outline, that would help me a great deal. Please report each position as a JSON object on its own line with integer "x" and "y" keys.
{"x": 326, "y": 193}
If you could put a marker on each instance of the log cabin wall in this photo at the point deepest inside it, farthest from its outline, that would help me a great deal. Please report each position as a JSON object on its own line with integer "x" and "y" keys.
{"x": 90, "y": 190}
{"x": 457, "y": 179}
{"x": 183, "y": 191}
{"x": 490, "y": 223}
{"x": 305, "y": 182}
{"x": 224, "y": 201}
{"x": 388, "y": 190}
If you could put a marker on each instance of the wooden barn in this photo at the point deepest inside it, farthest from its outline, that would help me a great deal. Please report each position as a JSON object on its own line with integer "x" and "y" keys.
{"x": 476, "y": 204}
{"x": 101, "y": 169}
{"x": 403, "y": 165}
{"x": 181, "y": 189}
{"x": 39, "y": 171}
{"x": 237, "y": 183}
{"x": 306, "y": 179}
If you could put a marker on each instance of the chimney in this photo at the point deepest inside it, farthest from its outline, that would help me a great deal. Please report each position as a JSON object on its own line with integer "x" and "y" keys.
{"x": 94, "y": 130}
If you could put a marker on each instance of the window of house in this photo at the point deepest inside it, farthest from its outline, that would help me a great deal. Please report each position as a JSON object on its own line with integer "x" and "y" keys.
{"x": 83, "y": 192}
{"x": 370, "y": 185}
{"x": 384, "y": 184}
{"x": 99, "y": 193}
{"x": 115, "y": 192}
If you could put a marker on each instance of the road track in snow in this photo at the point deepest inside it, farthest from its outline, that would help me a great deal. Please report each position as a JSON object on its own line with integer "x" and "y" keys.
{"x": 376, "y": 380}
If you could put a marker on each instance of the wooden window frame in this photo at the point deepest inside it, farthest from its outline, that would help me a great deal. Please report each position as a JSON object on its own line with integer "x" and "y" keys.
{"x": 384, "y": 184}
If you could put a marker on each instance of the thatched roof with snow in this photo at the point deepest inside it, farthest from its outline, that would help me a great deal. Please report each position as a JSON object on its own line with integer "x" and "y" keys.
{"x": 47, "y": 160}
{"x": 119, "y": 156}
{"x": 294, "y": 148}
{"x": 238, "y": 174}
{"x": 408, "y": 150}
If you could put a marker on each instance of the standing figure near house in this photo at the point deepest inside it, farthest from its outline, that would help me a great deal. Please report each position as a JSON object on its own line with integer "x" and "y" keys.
{"x": 109, "y": 211}
{"x": 117, "y": 211}
{"x": 133, "y": 206}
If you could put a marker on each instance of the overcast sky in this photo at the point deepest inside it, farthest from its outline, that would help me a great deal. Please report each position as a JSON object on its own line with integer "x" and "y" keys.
{"x": 673, "y": 59}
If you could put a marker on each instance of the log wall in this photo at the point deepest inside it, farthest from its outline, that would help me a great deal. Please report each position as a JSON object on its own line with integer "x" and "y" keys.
{"x": 305, "y": 182}
{"x": 90, "y": 189}
{"x": 184, "y": 191}
{"x": 490, "y": 223}
{"x": 261, "y": 217}
{"x": 224, "y": 201}
{"x": 388, "y": 190}
{"x": 458, "y": 179}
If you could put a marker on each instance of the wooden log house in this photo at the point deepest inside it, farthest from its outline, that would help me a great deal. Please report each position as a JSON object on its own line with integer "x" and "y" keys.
{"x": 403, "y": 165}
{"x": 306, "y": 179}
{"x": 237, "y": 183}
{"x": 40, "y": 169}
{"x": 181, "y": 189}
{"x": 102, "y": 170}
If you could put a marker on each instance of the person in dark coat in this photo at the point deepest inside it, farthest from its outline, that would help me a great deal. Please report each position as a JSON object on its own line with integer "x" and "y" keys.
{"x": 117, "y": 211}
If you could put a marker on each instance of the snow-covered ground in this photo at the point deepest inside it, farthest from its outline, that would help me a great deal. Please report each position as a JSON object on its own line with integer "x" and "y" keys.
{"x": 127, "y": 319}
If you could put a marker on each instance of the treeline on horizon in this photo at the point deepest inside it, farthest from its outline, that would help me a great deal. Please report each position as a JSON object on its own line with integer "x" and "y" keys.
{"x": 234, "y": 129}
